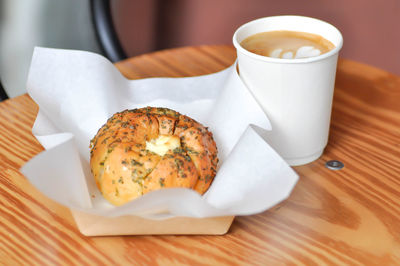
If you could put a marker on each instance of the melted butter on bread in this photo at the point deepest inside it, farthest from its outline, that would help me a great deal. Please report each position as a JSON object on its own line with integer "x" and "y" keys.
{"x": 163, "y": 144}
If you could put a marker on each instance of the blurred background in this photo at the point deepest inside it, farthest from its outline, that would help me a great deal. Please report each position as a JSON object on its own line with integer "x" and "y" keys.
{"x": 369, "y": 27}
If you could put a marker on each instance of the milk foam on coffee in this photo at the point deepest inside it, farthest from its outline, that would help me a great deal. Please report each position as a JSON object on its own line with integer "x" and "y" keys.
{"x": 302, "y": 52}
{"x": 287, "y": 44}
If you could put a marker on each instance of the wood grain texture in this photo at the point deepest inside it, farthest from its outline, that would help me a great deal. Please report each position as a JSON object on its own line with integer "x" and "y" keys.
{"x": 347, "y": 217}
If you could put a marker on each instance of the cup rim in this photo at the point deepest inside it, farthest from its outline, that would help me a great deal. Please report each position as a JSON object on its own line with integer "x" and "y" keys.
{"x": 282, "y": 60}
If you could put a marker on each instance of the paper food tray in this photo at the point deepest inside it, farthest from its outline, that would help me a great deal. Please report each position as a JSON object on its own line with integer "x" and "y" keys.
{"x": 62, "y": 81}
{"x": 92, "y": 225}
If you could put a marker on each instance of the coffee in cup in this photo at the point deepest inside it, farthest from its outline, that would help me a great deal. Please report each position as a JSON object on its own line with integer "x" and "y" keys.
{"x": 295, "y": 93}
{"x": 287, "y": 44}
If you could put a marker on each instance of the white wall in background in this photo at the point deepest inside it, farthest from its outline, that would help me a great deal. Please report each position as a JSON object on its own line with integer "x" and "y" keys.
{"x": 25, "y": 24}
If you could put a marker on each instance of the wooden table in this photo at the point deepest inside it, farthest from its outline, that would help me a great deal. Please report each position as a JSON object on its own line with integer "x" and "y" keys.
{"x": 350, "y": 216}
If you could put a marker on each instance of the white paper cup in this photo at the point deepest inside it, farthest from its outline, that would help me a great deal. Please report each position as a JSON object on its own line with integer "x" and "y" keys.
{"x": 296, "y": 94}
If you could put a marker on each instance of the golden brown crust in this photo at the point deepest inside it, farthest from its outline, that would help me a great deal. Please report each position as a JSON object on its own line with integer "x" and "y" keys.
{"x": 173, "y": 170}
{"x": 124, "y": 169}
{"x": 201, "y": 149}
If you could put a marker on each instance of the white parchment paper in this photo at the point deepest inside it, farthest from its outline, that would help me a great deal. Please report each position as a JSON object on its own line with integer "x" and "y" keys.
{"x": 78, "y": 91}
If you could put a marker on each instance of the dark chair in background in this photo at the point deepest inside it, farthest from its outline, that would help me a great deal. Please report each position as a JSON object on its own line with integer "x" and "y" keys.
{"x": 3, "y": 94}
{"x": 104, "y": 29}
